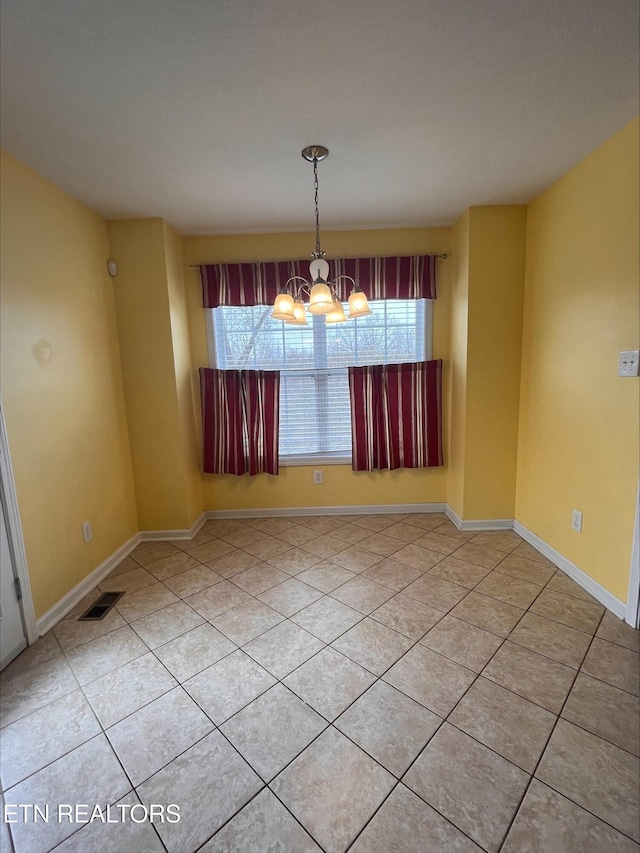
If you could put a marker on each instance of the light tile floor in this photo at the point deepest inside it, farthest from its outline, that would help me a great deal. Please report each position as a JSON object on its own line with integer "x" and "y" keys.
{"x": 366, "y": 683}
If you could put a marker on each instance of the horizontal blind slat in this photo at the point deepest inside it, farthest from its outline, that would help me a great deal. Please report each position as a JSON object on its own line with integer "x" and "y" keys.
{"x": 314, "y": 412}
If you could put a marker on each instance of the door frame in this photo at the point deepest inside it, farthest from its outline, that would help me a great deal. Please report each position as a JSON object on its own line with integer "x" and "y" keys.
{"x": 14, "y": 534}
{"x": 633, "y": 595}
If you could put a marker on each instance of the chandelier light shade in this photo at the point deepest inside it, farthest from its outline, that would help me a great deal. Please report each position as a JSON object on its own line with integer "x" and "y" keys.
{"x": 336, "y": 315}
{"x": 358, "y": 305}
{"x": 320, "y": 298}
{"x": 323, "y": 294}
{"x": 283, "y": 306}
{"x": 299, "y": 314}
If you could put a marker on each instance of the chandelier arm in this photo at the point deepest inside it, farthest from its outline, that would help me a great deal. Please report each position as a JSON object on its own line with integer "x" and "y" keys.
{"x": 297, "y": 289}
{"x": 335, "y": 281}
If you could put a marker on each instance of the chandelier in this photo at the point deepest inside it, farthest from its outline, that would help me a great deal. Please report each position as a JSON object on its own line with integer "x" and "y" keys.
{"x": 323, "y": 295}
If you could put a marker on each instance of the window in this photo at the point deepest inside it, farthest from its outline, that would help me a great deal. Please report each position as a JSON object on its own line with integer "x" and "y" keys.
{"x": 315, "y": 419}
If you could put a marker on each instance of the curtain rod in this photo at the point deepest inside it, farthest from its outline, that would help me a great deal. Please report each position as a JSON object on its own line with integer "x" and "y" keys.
{"x": 443, "y": 256}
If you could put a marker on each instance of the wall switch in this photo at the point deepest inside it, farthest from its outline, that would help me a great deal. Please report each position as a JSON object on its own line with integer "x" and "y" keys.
{"x": 576, "y": 521}
{"x": 87, "y": 533}
{"x": 628, "y": 363}
{"x": 317, "y": 478}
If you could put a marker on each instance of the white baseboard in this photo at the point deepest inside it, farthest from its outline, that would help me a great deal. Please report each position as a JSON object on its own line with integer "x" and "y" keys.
{"x": 479, "y": 524}
{"x": 180, "y": 534}
{"x": 59, "y": 610}
{"x": 607, "y": 599}
{"x": 375, "y": 509}
{"x": 68, "y": 602}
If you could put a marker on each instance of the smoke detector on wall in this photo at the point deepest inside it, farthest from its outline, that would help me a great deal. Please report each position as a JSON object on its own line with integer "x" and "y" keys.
{"x": 112, "y": 268}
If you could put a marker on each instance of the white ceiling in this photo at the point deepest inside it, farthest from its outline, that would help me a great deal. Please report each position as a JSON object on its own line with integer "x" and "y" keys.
{"x": 196, "y": 110}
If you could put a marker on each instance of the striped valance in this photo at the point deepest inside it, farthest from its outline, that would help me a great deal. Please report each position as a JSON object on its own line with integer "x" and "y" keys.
{"x": 410, "y": 277}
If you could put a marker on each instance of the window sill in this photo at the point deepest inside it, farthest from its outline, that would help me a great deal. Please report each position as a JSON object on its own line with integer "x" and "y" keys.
{"x": 299, "y": 461}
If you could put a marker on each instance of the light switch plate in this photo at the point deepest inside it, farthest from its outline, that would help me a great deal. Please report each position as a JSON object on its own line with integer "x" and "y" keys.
{"x": 87, "y": 533}
{"x": 628, "y": 363}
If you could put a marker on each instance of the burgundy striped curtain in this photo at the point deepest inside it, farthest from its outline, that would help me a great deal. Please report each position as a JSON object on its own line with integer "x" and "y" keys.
{"x": 240, "y": 421}
{"x": 410, "y": 277}
{"x": 396, "y": 415}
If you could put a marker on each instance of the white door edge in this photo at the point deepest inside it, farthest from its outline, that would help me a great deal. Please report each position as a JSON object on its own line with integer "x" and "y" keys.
{"x": 14, "y": 534}
{"x": 633, "y": 596}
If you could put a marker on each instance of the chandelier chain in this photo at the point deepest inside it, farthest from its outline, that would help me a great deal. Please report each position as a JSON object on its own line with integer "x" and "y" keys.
{"x": 318, "y": 251}
{"x": 324, "y": 298}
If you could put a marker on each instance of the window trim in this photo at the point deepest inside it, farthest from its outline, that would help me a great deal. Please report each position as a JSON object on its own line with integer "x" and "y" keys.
{"x": 211, "y": 338}
{"x": 294, "y": 461}
{"x": 324, "y": 458}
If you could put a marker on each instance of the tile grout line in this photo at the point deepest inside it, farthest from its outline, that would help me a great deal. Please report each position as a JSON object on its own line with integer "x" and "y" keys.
{"x": 255, "y": 598}
{"x": 152, "y": 651}
{"x": 330, "y": 723}
{"x": 265, "y": 784}
{"x": 397, "y": 784}
{"x": 217, "y": 727}
{"x": 533, "y": 776}
{"x": 446, "y": 719}
{"x": 378, "y": 678}
{"x": 209, "y": 622}
{"x": 265, "y": 787}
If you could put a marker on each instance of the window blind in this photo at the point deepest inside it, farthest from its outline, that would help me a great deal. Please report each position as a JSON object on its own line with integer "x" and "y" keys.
{"x": 313, "y": 362}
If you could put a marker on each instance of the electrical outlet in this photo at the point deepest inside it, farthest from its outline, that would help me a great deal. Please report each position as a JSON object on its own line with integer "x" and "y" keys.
{"x": 628, "y": 363}
{"x": 576, "y": 521}
{"x": 317, "y": 478}
{"x": 87, "y": 533}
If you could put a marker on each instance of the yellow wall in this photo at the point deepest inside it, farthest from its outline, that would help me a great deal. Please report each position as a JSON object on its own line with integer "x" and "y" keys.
{"x": 578, "y": 443}
{"x": 486, "y": 330}
{"x": 65, "y": 415}
{"x": 342, "y": 487}
{"x": 152, "y": 325}
{"x": 293, "y": 487}
{"x": 458, "y": 362}
{"x": 185, "y": 376}
{"x": 496, "y": 283}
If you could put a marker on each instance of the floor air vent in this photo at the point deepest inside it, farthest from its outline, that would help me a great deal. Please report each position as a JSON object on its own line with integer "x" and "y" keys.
{"x": 101, "y": 607}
